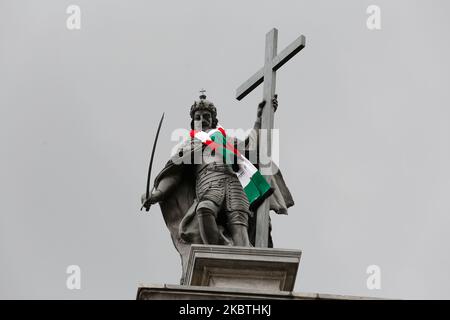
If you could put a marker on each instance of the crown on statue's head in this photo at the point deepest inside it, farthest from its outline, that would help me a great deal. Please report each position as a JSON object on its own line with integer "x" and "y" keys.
{"x": 203, "y": 104}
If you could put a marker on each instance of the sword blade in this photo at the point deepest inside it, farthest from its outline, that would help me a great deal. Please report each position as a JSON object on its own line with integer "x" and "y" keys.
{"x": 147, "y": 192}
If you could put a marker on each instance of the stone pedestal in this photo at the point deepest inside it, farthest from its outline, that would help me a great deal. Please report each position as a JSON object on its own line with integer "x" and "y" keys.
{"x": 242, "y": 268}
{"x": 233, "y": 273}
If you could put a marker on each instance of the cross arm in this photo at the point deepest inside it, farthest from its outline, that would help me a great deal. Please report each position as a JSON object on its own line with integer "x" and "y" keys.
{"x": 258, "y": 78}
{"x": 248, "y": 86}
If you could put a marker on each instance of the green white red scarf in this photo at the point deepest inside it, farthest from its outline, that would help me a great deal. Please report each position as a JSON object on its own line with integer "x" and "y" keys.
{"x": 254, "y": 184}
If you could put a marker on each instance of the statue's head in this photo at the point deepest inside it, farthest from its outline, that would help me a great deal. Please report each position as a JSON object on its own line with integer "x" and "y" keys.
{"x": 203, "y": 114}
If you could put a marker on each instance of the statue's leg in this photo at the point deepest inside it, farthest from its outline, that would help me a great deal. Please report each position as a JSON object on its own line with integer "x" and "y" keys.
{"x": 237, "y": 212}
{"x": 238, "y": 226}
{"x": 207, "y": 212}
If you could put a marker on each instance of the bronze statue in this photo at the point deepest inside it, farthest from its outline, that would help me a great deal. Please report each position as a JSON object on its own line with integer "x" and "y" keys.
{"x": 204, "y": 202}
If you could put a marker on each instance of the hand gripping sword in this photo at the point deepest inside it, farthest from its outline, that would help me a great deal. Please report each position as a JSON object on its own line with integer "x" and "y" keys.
{"x": 147, "y": 191}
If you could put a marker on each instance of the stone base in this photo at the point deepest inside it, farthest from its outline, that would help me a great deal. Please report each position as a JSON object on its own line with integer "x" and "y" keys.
{"x": 233, "y": 273}
{"x": 265, "y": 269}
{"x": 181, "y": 292}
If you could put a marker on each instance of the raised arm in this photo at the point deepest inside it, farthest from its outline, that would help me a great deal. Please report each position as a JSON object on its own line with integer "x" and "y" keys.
{"x": 251, "y": 142}
{"x": 260, "y": 110}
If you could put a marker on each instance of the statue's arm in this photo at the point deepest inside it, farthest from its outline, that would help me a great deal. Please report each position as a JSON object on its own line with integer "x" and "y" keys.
{"x": 164, "y": 187}
{"x": 251, "y": 140}
{"x": 259, "y": 111}
{"x": 257, "y": 124}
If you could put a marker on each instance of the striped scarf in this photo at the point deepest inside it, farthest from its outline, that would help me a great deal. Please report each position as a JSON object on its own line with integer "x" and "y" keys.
{"x": 254, "y": 184}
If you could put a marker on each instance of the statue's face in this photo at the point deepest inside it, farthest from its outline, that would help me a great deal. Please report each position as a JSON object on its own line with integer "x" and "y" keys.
{"x": 202, "y": 120}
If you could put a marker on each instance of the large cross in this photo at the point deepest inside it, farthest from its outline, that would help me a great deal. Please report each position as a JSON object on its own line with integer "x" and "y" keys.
{"x": 267, "y": 74}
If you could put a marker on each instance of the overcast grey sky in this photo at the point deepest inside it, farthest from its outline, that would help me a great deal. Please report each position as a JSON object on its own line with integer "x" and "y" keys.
{"x": 363, "y": 117}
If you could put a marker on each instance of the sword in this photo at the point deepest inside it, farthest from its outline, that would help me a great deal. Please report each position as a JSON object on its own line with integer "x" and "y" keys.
{"x": 147, "y": 192}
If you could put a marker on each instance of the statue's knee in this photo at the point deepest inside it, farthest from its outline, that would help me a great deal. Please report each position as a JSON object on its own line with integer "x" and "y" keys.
{"x": 207, "y": 208}
{"x": 206, "y": 215}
